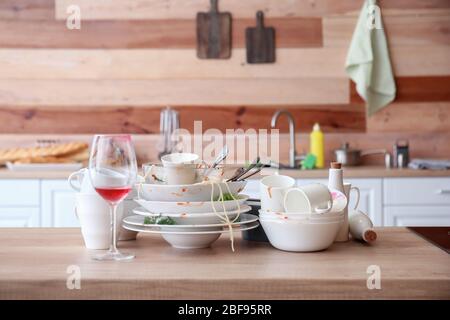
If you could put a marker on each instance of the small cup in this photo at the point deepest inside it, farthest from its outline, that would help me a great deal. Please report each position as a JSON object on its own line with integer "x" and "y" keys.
{"x": 311, "y": 198}
{"x": 180, "y": 168}
{"x": 272, "y": 190}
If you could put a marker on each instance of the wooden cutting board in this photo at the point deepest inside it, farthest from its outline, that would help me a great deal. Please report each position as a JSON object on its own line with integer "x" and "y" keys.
{"x": 260, "y": 42}
{"x": 213, "y": 33}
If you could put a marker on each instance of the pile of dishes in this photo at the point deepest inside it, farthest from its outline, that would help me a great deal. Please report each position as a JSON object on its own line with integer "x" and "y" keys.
{"x": 189, "y": 205}
{"x": 303, "y": 219}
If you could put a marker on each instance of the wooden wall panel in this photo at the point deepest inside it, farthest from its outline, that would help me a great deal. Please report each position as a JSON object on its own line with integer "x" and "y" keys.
{"x": 182, "y": 9}
{"x": 415, "y": 89}
{"x": 132, "y": 57}
{"x": 74, "y": 120}
{"x": 165, "y": 64}
{"x": 290, "y": 33}
{"x": 412, "y": 117}
{"x": 27, "y": 10}
{"x": 183, "y": 64}
{"x": 174, "y": 92}
{"x": 402, "y": 30}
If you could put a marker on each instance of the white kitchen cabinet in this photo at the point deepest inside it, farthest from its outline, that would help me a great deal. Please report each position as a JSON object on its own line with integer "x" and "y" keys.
{"x": 19, "y": 203}
{"x": 19, "y": 193}
{"x": 57, "y": 204}
{"x": 19, "y": 217}
{"x": 417, "y": 201}
{"x": 417, "y": 191}
{"x": 410, "y": 216}
{"x": 252, "y": 189}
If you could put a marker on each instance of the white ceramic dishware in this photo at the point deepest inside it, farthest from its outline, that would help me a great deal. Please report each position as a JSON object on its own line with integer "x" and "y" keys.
{"x": 313, "y": 218}
{"x": 162, "y": 207}
{"x": 137, "y": 220}
{"x": 180, "y": 168}
{"x": 310, "y": 198}
{"x": 93, "y": 213}
{"x": 196, "y": 218}
{"x": 79, "y": 181}
{"x": 300, "y": 236}
{"x": 189, "y": 192}
{"x": 192, "y": 239}
{"x": 272, "y": 191}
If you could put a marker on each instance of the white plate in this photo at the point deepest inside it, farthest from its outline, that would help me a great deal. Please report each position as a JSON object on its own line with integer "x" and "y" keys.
{"x": 137, "y": 220}
{"x": 191, "y": 240}
{"x": 250, "y": 226}
{"x": 163, "y": 207}
{"x": 43, "y": 166}
{"x": 195, "y": 218}
{"x": 189, "y": 192}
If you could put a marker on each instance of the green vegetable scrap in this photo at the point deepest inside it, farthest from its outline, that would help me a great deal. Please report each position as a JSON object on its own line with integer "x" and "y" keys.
{"x": 159, "y": 220}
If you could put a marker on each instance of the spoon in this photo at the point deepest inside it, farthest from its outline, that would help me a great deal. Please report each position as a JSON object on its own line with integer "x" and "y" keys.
{"x": 220, "y": 157}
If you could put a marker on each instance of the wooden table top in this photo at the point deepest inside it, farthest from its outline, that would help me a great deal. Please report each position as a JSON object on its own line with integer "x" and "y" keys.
{"x": 34, "y": 262}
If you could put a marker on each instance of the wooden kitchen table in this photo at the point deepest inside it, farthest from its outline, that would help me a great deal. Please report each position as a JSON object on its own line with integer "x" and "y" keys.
{"x": 34, "y": 264}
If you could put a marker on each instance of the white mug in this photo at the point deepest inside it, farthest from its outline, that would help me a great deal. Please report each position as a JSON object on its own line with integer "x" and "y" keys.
{"x": 180, "y": 168}
{"x": 348, "y": 189}
{"x": 94, "y": 216}
{"x": 272, "y": 191}
{"x": 79, "y": 181}
{"x": 311, "y": 198}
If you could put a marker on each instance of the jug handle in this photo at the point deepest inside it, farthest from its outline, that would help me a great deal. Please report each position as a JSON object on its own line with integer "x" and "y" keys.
{"x": 70, "y": 180}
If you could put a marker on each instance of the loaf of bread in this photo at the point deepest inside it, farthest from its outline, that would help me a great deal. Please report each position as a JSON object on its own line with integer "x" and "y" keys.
{"x": 70, "y": 151}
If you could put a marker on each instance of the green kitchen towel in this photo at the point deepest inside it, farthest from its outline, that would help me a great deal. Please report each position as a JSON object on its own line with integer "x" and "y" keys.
{"x": 368, "y": 63}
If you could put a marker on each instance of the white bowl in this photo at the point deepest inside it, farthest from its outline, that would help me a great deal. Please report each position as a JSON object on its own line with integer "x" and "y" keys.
{"x": 188, "y": 241}
{"x": 189, "y": 192}
{"x": 163, "y": 207}
{"x": 300, "y": 236}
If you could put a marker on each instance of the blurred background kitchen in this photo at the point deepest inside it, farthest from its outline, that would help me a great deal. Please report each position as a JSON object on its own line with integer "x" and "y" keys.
{"x": 131, "y": 59}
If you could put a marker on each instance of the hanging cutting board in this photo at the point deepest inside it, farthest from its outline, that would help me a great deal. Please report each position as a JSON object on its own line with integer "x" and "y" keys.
{"x": 213, "y": 33}
{"x": 260, "y": 42}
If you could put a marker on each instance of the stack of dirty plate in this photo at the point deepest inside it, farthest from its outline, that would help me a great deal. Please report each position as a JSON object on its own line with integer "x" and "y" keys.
{"x": 190, "y": 216}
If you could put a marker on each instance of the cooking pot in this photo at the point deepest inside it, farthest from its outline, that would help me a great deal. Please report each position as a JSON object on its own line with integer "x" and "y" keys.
{"x": 352, "y": 157}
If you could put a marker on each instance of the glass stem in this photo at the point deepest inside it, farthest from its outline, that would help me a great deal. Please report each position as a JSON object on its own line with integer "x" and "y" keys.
{"x": 113, "y": 213}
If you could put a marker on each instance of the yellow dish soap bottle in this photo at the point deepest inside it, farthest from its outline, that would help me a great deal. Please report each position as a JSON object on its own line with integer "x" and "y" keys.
{"x": 317, "y": 145}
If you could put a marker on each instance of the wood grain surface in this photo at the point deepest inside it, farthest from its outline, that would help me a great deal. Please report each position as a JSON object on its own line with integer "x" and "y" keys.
{"x": 146, "y": 119}
{"x": 141, "y": 54}
{"x": 174, "y": 92}
{"x": 175, "y": 9}
{"x": 35, "y": 262}
{"x": 415, "y": 89}
{"x": 175, "y": 34}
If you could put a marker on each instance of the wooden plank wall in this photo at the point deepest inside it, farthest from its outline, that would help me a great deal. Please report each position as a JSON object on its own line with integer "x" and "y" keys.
{"x": 131, "y": 58}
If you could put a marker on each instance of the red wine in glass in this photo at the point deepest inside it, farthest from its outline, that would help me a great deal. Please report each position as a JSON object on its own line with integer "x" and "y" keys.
{"x": 113, "y": 194}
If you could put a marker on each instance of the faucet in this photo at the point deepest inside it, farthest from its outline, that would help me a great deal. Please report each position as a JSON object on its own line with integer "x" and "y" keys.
{"x": 292, "y": 148}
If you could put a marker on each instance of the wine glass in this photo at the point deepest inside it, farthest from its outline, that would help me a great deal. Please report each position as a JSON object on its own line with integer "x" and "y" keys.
{"x": 113, "y": 171}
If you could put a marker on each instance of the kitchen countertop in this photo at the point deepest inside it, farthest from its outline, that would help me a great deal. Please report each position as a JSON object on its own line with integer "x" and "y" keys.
{"x": 34, "y": 264}
{"x": 355, "y": 172}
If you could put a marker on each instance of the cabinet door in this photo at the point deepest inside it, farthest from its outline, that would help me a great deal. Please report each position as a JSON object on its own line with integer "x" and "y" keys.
{"x": 57, "y": 204}
{"x": 252, "y": 189}
{"x": 409, "y": 216}
{"x": 371, "y": 196}
{"x": 19, "y": 217}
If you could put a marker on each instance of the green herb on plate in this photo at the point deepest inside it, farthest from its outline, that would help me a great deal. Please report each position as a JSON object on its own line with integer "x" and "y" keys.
{"x": 159, "y": 220}
{"x": 226, "y": 197}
